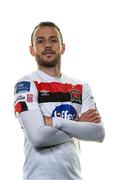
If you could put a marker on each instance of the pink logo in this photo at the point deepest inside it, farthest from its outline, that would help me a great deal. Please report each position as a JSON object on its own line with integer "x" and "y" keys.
{"x": 29, "y": 97}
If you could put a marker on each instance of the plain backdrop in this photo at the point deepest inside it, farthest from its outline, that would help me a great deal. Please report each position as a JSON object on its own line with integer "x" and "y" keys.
{"x": 91, "y": 32}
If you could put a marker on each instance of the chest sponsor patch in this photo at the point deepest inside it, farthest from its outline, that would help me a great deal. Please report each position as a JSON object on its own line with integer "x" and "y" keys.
{"x": 23, "y": 86}
{"x": 65, "y": 111}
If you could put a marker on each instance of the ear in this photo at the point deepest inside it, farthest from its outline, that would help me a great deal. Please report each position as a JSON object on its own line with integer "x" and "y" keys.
{"x": 63, "y": 49}
{"x": 32, "y": 52}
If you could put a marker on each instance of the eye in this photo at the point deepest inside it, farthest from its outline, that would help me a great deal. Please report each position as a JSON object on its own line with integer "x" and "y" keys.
{"x": 40, "y": 41}
{"x": 54, "y": 40}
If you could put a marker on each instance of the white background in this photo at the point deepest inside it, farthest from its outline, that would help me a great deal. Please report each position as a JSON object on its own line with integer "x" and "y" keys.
{"x": 91, "y": 31}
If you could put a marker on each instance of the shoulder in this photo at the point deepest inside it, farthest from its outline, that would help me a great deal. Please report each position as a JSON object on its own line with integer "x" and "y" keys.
{"x": 71, "y": 80}
{"x": 75, "y": 81}
{"x": 25, "y": 83}
{"x": 29, "y": 77}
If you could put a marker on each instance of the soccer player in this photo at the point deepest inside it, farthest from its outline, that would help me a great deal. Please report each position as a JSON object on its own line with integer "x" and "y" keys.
{"x": 55, "y": 112}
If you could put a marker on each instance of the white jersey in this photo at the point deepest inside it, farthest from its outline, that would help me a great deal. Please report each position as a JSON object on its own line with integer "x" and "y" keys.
{"x": 54, "y": 152}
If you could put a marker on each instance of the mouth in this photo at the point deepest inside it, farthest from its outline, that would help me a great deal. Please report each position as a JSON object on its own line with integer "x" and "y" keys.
{"x": 48, "y": 52}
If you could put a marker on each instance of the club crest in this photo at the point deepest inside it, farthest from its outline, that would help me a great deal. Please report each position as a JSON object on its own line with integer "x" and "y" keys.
{"x": 75, "y": 95}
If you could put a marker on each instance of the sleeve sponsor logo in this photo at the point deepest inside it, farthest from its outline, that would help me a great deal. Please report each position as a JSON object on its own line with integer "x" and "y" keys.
{"x": 29, "y": 97}
{"x": 20, "y": 98}
{"x": 23, "y": 86}
{"x": 65, "y": 111}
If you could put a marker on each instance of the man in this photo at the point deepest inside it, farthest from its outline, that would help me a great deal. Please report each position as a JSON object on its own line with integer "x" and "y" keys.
{"x": 54, "y": 111}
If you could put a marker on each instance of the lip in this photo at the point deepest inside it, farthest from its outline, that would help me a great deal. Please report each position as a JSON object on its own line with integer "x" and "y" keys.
{"x": 48, "y": 52}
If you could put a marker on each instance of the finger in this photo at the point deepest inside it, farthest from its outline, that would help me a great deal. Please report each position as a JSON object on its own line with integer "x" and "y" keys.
{"x": 89, "y": 112}
{"x": 90, "y": 119}
{"x": 95, "y": 118}
{"x": 96, "y": 121}
{"x": 92, "y": 114}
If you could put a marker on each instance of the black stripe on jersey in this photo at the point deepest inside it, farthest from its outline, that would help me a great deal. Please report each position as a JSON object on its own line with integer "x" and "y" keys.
{"x": 24, "y": 106}
{"x": 57, "y": 97}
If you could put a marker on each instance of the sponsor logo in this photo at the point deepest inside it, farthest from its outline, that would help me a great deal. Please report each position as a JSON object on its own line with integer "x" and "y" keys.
{"x": 22, "y": 86}
{"x": 29, "y": 97}
{"x": 44, "y": 93}
{"x": 20, "y": 98}
{"x": 75, "y": 95}
{"x": 65, "y": 111}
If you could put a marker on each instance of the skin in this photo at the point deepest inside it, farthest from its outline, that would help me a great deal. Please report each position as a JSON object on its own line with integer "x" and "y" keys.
{"x": 47, "y": 46}
{"x": 47, "y": 49}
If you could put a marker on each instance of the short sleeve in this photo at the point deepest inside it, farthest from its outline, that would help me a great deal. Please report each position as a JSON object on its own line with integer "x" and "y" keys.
{"x": 26, "y": 96}
{"x": 88, "y": 101}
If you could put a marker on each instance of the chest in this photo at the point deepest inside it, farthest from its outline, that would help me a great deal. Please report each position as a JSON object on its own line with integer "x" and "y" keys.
{"x": 59, "y": 99}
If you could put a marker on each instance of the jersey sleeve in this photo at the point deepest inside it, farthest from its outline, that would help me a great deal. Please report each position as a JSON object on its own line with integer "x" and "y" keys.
{"x": 28, "y": 112}
{"x": 88, "y": 101}
{"x": 82, "y": 130}
{"x": 25, "y": 96}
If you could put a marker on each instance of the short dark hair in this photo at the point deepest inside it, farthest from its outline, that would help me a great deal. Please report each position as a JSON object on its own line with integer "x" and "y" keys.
{"x": 46, "y": 23}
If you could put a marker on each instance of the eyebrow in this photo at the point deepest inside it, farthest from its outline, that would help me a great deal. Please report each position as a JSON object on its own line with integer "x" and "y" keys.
{"x": 39, "y": 37}
{"x": 42, "y": 37}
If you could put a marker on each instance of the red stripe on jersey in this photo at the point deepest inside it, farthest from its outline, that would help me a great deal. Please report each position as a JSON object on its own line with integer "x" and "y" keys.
{"x": 57, "y": 87}
{"x": 18, "y": 107}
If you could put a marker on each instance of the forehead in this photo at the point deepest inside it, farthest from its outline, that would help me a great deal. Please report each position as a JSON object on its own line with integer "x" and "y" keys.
{"x": 46, "y": 31}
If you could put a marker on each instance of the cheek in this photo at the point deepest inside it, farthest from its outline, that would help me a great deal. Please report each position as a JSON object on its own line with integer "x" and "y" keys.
{"x": 59, "y": 49}
{"x": 38, "y": 50}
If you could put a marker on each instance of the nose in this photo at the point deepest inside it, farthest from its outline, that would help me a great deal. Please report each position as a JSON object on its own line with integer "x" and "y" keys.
{"x": 47, "y": 44}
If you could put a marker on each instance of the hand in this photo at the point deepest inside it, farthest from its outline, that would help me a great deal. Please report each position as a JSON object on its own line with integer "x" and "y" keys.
{"x": 92, "y": 115}
{"x": 48, "y": 121}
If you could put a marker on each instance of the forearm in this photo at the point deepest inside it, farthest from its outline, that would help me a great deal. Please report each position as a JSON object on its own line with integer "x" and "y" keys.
{"x": 38, "y": 133}
{"x": 82, "y": 130}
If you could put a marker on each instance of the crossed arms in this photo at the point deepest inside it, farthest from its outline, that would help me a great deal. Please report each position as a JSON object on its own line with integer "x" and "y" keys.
{"x": 85, "y": 127}
{"x": 46, "y": 131}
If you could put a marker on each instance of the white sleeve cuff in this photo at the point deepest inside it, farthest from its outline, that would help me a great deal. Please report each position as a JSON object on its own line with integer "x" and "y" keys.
{"x": 56, "y": 122}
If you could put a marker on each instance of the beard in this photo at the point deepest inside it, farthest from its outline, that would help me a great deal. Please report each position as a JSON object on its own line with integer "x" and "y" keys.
{"x": 48, "y": 64}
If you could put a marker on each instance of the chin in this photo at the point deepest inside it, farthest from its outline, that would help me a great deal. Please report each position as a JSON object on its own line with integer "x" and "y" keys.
{"x": 48, "y": 61}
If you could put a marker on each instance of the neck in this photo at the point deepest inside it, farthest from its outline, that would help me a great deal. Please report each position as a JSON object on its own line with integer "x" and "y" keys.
{"x": 52, "y": 71}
